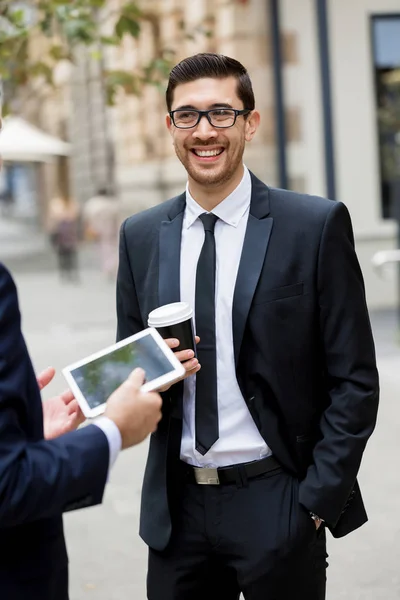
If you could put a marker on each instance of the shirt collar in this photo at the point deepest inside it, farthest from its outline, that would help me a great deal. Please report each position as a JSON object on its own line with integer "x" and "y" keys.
{"x": 230, "y": 210}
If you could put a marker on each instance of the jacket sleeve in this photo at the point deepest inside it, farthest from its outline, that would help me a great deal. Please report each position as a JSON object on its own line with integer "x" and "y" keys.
{"x": 38, "y": 478}
{"x": 350, "y": 372}
{"x": 129, "y": 320}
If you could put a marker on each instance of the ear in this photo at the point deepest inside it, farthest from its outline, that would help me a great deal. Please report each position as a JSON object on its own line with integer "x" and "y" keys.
{"x": 168, "y": 122}
{"x": 252, "y": 123}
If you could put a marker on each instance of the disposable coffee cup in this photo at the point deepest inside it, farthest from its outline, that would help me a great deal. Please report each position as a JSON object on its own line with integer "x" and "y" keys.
{"x": 175, "y": 321}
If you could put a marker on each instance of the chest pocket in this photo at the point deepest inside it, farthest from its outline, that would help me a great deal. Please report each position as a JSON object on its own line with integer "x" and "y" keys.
{"x": 287, "y": 291}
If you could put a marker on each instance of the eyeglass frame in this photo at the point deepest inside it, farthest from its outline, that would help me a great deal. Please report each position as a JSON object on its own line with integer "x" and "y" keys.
{"x": 205, "y": 113}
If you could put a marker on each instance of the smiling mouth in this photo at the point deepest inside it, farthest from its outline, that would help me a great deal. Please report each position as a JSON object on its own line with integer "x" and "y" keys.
{"x": 208, "y": 153}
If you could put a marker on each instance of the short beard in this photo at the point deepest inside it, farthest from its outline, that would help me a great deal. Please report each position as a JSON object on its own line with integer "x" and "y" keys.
{"x": 208, "y": 178}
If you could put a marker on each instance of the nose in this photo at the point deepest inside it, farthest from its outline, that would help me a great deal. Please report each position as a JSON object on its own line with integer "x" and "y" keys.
{"x": 204, "y": 130}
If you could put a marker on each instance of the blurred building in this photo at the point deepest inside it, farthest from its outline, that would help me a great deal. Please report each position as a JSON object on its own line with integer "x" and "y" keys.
{"x": 37, "y": 168}
{"x": 326, "y": 75}
{"x": 339, "y": 106}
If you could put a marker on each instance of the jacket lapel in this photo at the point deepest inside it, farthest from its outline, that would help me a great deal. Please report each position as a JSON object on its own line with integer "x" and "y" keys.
{"x": 255, "y": 246}
{"x": 169, "y": 267}
{"x": 170, "y": 254}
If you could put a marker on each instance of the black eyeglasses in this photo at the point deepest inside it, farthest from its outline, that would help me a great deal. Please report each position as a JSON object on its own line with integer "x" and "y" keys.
{"x": 217, "y": 117}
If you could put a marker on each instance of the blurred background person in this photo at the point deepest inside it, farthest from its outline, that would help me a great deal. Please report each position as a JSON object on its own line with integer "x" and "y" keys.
{"x": 101, "y": 216}
{"x": 6, "y": 202}
{"x": 63, "y": 227}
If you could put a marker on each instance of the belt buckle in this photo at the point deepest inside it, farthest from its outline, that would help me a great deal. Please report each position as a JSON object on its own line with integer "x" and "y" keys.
{"x": 206, "y": 476}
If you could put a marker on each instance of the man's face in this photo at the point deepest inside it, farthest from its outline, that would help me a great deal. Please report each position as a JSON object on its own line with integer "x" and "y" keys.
{"x": 223, "y": 147}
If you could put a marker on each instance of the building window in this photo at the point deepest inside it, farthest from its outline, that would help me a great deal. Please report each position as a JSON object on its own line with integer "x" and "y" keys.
{"x": 386, "y": 54}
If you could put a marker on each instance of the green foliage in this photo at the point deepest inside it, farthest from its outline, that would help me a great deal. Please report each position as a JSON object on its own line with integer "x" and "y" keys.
{"x": 127, "y": 25}
{"x": 68, "y": 25}
{"x": 121, "y": 80}
{"x": 42, "y": 69}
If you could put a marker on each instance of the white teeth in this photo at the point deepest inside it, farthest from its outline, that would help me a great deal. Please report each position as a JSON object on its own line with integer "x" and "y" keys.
{"x": 207, "y": 152}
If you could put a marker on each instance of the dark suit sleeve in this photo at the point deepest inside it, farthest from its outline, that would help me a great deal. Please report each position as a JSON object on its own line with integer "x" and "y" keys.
{"x": 351, "y": 373}
{"x": 38, "y": 478}
{"x": 128, "y": 313}
{"x": 129, "y": 320}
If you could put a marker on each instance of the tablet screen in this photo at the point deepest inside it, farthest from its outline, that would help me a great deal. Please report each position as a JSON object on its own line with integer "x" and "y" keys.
{"x": 100, "y": 377}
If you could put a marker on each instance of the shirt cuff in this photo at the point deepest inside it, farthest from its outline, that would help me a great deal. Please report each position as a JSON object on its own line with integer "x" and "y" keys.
{"x": 113, "y": 436}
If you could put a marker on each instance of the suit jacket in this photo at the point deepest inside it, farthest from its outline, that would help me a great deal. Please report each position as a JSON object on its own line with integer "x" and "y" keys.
{"x": 305, "y": 359}
{"x": 39, "y": 480}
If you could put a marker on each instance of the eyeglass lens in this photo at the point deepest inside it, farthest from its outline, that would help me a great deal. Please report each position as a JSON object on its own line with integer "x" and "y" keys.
{"x": 222, "y": 117}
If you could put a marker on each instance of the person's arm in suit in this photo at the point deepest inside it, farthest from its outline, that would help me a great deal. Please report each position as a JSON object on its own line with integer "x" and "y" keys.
{"x": 38, "y": 478}
{"x": 129, "y": 320}
{"x": 128, "y": 312}
{"x": 350, "y": 372}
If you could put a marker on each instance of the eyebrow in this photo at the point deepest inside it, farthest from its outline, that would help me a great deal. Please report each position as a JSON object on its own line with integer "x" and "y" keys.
{"x": 211, "y": 106}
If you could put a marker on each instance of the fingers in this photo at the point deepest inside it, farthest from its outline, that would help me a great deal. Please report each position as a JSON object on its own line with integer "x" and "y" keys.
{"x": 184, "y": 355}
{"x": 136, "y": 378}
{"x": 72, "y": 423}
{"x": 79, "y": 417}
{"x": 67, "y": 397}
{"x": 172, "y": 342}
{"x": 75, "y": 414}
{"x": 72, "y": 407}
{"x": 192, "y": 368}
{"x": 189, "y": 361}
{"x": 45, "y": 377}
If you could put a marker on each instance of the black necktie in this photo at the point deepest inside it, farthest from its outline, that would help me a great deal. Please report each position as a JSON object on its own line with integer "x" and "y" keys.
{"x": 206, "y": 409}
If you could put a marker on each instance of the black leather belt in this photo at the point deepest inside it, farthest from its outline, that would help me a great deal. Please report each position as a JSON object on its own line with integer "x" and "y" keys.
{"x": 230, "y": 474}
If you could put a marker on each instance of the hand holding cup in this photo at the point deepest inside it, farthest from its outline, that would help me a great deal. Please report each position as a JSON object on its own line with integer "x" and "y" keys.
{"x": 174, "y": 322}
{"x": 186, "y": 357}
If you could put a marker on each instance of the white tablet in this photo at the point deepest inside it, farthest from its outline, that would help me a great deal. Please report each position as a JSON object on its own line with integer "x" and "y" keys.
{"x": 94, "y": 378}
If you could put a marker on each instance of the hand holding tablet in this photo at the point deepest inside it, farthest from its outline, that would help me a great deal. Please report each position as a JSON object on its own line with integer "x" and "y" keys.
{"x": 94, "y": 378}
{"x": 135, "y": 413}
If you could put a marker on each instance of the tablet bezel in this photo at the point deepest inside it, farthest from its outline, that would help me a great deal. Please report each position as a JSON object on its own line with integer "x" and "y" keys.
{"x": 177, "y": 372}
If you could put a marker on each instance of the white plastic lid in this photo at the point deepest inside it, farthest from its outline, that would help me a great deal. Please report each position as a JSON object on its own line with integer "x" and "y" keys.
{"x": 170, "y": 314}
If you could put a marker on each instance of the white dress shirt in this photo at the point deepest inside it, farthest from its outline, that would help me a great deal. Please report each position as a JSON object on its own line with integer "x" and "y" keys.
{"x": 239, "y": 439}
{"x": 113, "y": 436}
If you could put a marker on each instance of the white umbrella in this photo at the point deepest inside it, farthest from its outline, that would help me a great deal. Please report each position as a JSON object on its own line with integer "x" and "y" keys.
{"x": 22, "y": 142}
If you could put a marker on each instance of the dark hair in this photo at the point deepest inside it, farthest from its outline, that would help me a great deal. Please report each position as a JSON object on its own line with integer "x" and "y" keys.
{"x": 216, "y": 66}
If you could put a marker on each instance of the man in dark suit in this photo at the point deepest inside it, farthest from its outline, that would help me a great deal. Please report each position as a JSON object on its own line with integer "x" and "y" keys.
{"x": 42, "y": 478}
{"x": 258, "y": 451}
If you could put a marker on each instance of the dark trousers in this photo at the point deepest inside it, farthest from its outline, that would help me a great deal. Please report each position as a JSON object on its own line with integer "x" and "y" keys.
{"x": 68, "y": 263}
{"x": 254, "y": 538}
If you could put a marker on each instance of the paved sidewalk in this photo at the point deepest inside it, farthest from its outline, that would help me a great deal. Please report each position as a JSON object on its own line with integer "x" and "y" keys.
{"x": 64, "y": 322}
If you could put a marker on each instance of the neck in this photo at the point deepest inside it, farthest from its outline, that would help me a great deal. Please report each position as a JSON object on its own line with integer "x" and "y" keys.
{"x": 209, "y": 196}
